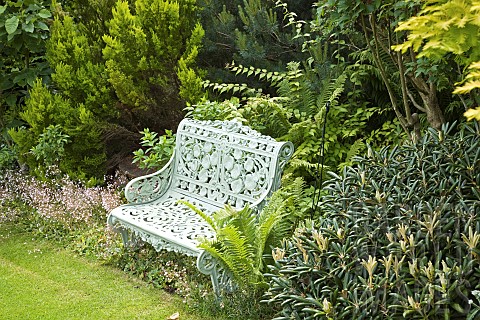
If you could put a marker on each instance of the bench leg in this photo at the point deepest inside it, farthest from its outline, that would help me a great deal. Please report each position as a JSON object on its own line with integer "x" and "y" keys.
{"x": 119, "y": 229}
{"x": 221, "y": 279}
{"x": 125, "y": 237}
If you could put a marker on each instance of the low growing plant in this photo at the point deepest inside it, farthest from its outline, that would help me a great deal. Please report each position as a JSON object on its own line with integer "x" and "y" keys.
{"x": 398, "y": 237}
{"x": 158, "y": 149}
{"x": 241, "y": 239}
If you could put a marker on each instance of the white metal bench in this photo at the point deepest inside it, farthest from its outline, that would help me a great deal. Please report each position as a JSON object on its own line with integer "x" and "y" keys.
{"x": 214, "y": 163}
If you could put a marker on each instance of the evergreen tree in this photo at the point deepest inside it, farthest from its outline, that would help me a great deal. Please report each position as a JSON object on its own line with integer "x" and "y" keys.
{"x": 109, "y": 86}
{"x": 250, "y": 32}
{"x": 142, "y": 54}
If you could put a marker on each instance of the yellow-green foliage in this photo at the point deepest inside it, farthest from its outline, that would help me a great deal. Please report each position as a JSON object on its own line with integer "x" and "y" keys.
{"x": 473, "y": 114}
{"x": 78, "y": 70}
{"x": 447, "y": 26}
{"x": 84, "y": 156}
{"x": 143, "y": 49}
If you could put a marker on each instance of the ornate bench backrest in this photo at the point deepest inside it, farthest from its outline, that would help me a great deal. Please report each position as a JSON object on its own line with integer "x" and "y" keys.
{"x": 221, "y": 162}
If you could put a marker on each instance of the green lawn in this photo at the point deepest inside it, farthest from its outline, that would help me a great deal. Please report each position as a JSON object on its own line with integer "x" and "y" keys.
{"x": 39, "y": 280}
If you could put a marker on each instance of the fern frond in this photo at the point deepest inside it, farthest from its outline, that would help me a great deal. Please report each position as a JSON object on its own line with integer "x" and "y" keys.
{"x": 202, "y": 214}
{"x": 223, "y": 216}
{"x": 331, "y": 93}
{"x": 245, "y": 221}
{"x": 354, "y": 150}
{"x": 236, "y": 252}
{"x": 217, "y": 253}
{"x": 267, "y": 222}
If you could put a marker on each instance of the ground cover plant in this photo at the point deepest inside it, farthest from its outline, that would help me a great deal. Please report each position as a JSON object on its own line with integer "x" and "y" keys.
{"x": 41, "y": 280}
{"x": 74, "y": 215}
{"x": 397, "y": 236}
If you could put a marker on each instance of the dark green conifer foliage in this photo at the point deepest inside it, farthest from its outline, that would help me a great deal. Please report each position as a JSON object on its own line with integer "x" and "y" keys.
{"x": 250, "y": 32}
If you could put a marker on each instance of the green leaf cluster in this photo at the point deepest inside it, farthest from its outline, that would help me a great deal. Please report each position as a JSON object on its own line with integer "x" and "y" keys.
{"x": 23, "y": 32}
{"x": 398, "y": 237}
{"x": 242, "y": 237}
{"x": 51, "y": 145}
{"x": 158, "y": 150}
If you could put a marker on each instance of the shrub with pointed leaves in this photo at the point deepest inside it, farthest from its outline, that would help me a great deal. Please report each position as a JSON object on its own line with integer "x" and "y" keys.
{"x": 399, "y": 237}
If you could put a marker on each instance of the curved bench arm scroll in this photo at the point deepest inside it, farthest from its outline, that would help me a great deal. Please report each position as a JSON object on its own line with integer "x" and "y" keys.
{"x": 221, "y": 279}
{"x": 284, "y": 154}
{"x": 150, "y": 187}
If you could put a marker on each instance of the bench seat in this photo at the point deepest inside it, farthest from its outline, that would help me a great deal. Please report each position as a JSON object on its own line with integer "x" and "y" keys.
{"x": 214, "y": 163}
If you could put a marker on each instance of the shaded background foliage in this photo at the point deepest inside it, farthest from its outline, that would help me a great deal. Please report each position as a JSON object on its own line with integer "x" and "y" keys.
{"x": 96, "y": 80}
{"x": 106, "y": 59}
{"x": 24, "y": 29}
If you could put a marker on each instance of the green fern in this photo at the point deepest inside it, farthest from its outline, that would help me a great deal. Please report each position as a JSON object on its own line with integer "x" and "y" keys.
{"x": 299, "y": 112}
{"x": 242, "y": 237}
{"x": 202, "y": 214}
{"x": 236, "y": 251}
{"x": 354, "y": 151}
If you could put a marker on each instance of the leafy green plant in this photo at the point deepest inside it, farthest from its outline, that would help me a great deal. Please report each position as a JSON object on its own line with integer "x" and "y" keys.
{"x": 241, "y": 239}
{"x": 51, "y": 145}
{"x": 397, "y": 237}
{"x": 214, "y": 110}
{"x": 158, "y": 152}
{"x": 8, "y": 157}
{"x": 78, "y": 69}
{"x": 251, "y": 32}
{"x": 23, "y": 33}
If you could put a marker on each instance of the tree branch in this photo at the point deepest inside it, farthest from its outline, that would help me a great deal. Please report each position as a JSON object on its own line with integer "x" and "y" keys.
{"x": 391, "y": 94}
{"x": 415, "y": 103}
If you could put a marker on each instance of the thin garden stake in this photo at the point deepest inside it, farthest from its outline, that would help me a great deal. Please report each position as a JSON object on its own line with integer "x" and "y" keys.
{"x": 320, "y": 161}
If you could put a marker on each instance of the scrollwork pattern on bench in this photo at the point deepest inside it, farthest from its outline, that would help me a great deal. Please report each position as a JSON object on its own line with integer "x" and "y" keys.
{"x": 214, "y": 163}
{"x": 150, "y": 187}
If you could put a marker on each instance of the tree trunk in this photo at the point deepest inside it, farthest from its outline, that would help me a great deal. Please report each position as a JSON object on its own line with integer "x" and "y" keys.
{"x": 434, "y": 112}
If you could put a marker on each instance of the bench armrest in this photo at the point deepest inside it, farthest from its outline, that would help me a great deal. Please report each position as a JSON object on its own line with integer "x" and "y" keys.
{"x": 150, "y": 187}
{"x": 284, "y": 154}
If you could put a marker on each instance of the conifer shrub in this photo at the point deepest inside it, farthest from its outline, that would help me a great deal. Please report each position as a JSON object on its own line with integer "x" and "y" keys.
{"x": 149, "y": 54}
{"x": 83, "y": 155}
{"x": 135, "y": 70}
{"x": 397, "y": 237}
